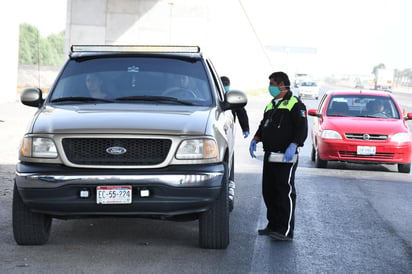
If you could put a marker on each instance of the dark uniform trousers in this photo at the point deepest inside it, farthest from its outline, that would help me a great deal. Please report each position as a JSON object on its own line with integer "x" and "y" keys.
{"x": 278, "y": 188}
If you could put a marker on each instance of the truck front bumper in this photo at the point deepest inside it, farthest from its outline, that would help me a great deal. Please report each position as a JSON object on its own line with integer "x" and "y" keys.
{"x": 63, "y": 192}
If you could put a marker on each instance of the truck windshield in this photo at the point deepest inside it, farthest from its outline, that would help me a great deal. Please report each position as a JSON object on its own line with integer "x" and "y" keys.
{"x": 113, "y": 79}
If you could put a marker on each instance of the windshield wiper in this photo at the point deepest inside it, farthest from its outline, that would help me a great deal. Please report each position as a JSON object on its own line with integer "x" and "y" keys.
{"x": 80, "y": 99}
{"x": 154, "y": 99}
{"x": 373, "y": 116}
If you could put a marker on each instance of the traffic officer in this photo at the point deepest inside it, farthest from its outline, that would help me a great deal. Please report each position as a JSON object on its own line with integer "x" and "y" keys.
{"x": 282, "y": 131}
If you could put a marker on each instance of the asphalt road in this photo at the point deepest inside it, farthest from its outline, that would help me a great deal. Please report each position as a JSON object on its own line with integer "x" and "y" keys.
{"x": 349, "y": 219}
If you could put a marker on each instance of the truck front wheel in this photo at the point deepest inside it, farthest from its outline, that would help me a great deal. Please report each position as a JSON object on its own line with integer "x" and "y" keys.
{"x": 29, "y": 228}
{"x": 214, "y": 223}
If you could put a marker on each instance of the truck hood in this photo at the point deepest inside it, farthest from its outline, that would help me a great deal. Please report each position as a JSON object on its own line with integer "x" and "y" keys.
{"x": 122, "y": 118}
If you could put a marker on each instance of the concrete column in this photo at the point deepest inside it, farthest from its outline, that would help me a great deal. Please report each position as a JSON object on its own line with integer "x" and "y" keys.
{"x": 9, "y": 48}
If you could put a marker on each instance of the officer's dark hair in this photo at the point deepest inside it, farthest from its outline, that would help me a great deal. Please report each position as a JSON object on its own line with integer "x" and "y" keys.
{"x": 280, "y": 76}
{"x": 225, "y": 80}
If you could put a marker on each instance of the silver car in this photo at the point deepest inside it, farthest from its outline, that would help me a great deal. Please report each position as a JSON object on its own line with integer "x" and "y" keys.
{"x": 308, "y": 89}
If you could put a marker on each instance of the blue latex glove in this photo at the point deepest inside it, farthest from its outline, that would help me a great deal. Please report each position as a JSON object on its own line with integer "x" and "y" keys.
{"x": 245, "y": 134}
{"x": 289, "y": 153}
{"x": 252, "y": 148}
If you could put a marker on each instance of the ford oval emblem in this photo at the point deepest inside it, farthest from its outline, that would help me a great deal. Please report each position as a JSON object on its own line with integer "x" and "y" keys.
{"x": 116, "y": 150}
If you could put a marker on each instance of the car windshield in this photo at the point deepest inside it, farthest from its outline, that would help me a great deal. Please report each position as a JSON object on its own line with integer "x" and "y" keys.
{"x": 133, "y": 80}
{"x": 359, "y": 105}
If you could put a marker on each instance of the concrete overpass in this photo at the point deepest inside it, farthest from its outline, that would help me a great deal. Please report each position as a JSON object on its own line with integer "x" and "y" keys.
{"x": 221, "y": 28}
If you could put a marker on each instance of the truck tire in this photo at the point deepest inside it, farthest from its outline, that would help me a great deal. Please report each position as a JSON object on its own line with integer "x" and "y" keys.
{"x": 214, "y": 223}
{"x": 29, "y": 228}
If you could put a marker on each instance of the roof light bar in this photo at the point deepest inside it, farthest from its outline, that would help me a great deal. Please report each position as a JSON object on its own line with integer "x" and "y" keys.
{"x": 137, "y": 48}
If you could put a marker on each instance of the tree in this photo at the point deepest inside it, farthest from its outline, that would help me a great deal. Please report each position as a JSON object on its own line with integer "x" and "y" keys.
{"x": 56, "y": 43}
{"x": 404, "y": 77}
{"x": 29, "y": 41}
{"x": 380, "y": 66}
{"x": 34, "y": 49}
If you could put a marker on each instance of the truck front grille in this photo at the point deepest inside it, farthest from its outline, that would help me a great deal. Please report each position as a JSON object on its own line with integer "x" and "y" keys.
{"x": 96, "y": 151}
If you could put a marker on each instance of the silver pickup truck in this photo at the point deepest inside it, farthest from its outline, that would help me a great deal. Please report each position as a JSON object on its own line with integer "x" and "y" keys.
{"x": 136, "y": 131}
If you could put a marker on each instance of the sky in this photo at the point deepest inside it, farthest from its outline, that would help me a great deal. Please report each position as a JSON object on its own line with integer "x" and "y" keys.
{"x": 350, "y": 36}
{"x": 49, "y": 16}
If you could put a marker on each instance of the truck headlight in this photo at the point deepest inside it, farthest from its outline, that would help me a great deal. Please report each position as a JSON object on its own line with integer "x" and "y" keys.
{"x": 38, "y": 147}
{"x": 197, "y": 149}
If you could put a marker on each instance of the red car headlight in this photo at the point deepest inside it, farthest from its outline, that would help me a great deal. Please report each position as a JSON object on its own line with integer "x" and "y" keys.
{"x": 330, "y": 134}
{"x": 401, "y": 137}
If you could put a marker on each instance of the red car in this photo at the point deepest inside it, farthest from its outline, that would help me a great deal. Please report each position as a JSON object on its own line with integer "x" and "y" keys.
{"x": 360, "y": 127}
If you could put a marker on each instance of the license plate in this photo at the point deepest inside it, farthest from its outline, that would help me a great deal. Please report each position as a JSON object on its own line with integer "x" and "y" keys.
{"x": 114, "y": 195}
{"x": 366, "y": 150}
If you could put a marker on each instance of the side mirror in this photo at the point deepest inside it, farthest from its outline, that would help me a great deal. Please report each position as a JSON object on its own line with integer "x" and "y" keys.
{"x": 235, "y": 99}
{"x": 32, "y": 97}
{"x": 313, "y": 112}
